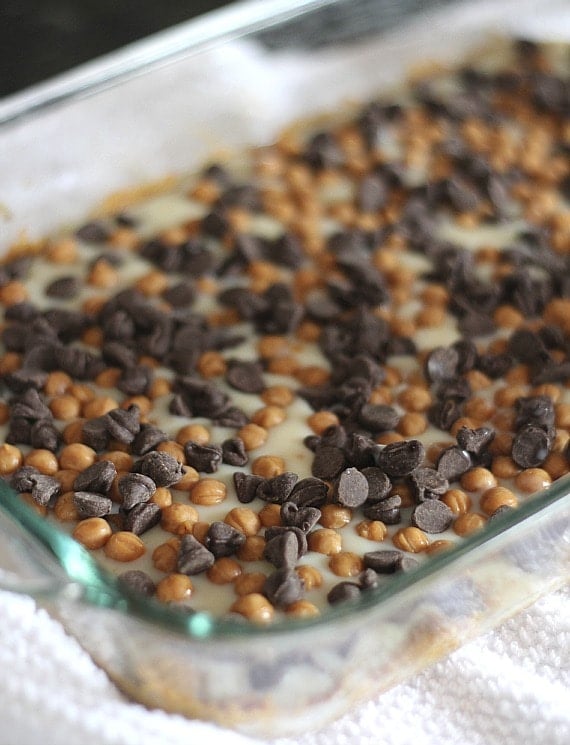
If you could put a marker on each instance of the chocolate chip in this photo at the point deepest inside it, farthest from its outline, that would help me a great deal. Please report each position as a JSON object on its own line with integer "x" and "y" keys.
{"x": 93, "y": 232}
{"x": 138, "y": 581}
{"x": 161, "y": 467}
{"x": 536, "y": 410}
{"x": 277, "y": 530}
{"x": 475, "y": 441}
{"x": 24, "y": 378}
{"x": 193, "y": 557}
{"x": 442, "y": 364}
{"x": 323, "y": 152}
{"x": 351, "y": 489}
{"x": 204, "y": 458}
{"x": 387, "y": 510}
{"x": 445, "y": 413}
{"x": 123, "y": 424}
{"x": 44, "y": 435}
{"x": 282, "y": 550}
{"x": 372, "y": 193}
{"x": 432, "y": 516}
{"x": 180, "y": 295}
{"x": 343, "y": 592}
{"x": 383, "y": 561}
{"x": 134, "y": 381}
{"x": 378, "y": 417}
{"x": 452, "y": 463}
{"x": 379, "y": 484}
{"x": 234, "y": 452}
{"x": 29, "y": 406}
{"x": 309, "y": 492}
{"x": 283, "y": 587}
{"x": 147, "y": 439}
{"x": 400, "y": 458}
{"x": 96, "y": 478}
{"x": 531, "y": 446}
{"x": 277, "y": 489}
{"x": 223, "y": 540}
{"x": 328, "y": 463}
{"x": 94, "y": 433}
{"x": 368, "y": 579}
{"x": 134, "y": 489}
{"x": 287, "y": 251}
{"x": 142, "y": 517}
{"x": 304, "y": 518}
{"x": 64, "y": 288}
{"x": 89, "y": 504}
{"x": 246, "y": 486}
{"x": 428, "y": 483}
{"x": 245, "y": 376}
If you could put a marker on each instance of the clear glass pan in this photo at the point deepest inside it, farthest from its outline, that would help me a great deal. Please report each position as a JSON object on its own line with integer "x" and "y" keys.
{"x": 161, "y": 106}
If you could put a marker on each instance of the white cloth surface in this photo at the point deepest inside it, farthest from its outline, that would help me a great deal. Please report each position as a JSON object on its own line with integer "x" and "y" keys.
{"x": 509, "y": 686}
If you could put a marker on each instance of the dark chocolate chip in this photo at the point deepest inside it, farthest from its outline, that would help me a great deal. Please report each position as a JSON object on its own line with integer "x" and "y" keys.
{"x": 138, "y": 581}
{"x": 245, "y": 376}
{"x": 246, "y": 486}
{"x": 378, "y": 417}
{"x": 452, "y": 463}
{"x": 400, "y": 458}
{"x": 19, "y": 380}
{"x": 96, "y": 478}
{"x": 309, "y": 492}
{"x": 29, "y": 405}
{"x": 134, "y": 489}
{"x": 328, "y": 463}
{"x": 223, "y": 539}
{"x": 94, "y": 433}
{"x": 147, "y": 439}
{"x": 383, "y": 561}
{"x": 277, "y": 489}
{"x": 531, "y": 446}
{"x": 93, "y": 232}
{"x": 367, "y": 579}
{"x": 282, "y": 550}
{"x": 445, "y": 413}
{"x": 428, "y": 483}
{"x": 193, "y": 557}
{"x": 89, "y": 504}
{"x": 204, "y": 458}
{"x": 379, "y": 484}
{"x": 351, "y": 489}
{"x": 343, "y": 592}
{"x": 304, "y": 518}
{"x": 64, "y": 288}
{"x": 234, "y": 452}
{"x": 283, "y": 587}
{"x": 44, "y": 435}
{"x": 475, "y": 441}
{"x": 388, "y": 510}
{"x": 161, "y": 467}
{"x": 134, "y": 381}
{"x": 44, "y": 488}
{"x": 432, "y": 516}
{"x": 180, "y": 295}
{"x": 123, "y": 424}
{"x": 536, "y": 410}
{"x": 442, "y": 364}
{"x": 142, "y": 517}
{"x": 372, "y": 193}
{"x": 277, "y": 530}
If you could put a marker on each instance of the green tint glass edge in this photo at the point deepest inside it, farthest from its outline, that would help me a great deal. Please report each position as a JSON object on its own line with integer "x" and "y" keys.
{"x": 103, "y": 589}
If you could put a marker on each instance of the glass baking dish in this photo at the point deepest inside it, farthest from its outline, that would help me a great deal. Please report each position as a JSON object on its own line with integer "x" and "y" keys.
{"x": 234, "y": 78}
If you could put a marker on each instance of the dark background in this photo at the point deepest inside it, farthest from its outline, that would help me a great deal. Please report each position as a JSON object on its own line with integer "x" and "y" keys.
{"x": 40, "y": 38}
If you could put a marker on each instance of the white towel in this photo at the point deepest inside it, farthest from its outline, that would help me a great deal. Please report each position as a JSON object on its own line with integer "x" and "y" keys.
{"x": 509, "y": 686}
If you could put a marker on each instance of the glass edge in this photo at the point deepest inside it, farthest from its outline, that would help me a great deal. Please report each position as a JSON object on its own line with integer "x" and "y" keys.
{"x": 239, "y": 18}
{"x": 104, "y": 589}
